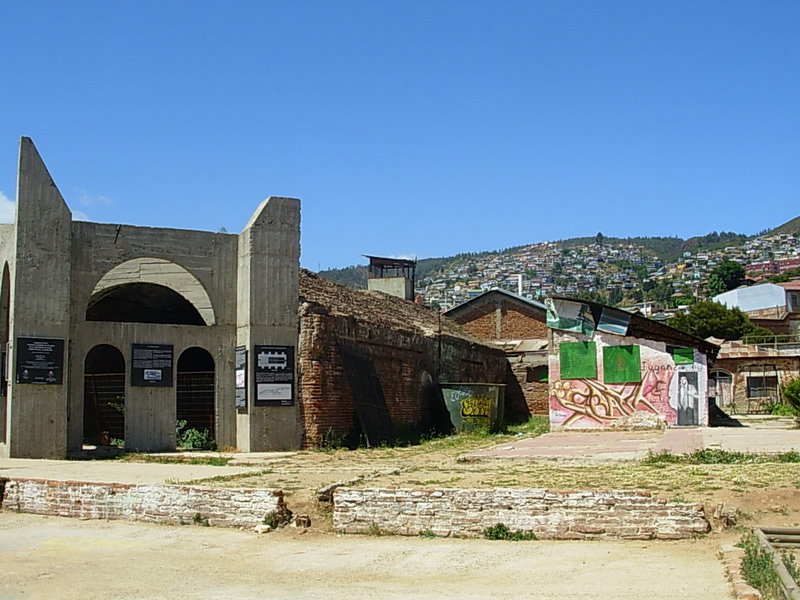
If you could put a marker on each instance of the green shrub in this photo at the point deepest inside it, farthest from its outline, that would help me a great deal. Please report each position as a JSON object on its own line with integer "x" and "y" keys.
{"x": 791, "y": 394}
{"x": 502, "y": 532}
{"x": 194, "y": 439}
{"x": 759, "y": 571}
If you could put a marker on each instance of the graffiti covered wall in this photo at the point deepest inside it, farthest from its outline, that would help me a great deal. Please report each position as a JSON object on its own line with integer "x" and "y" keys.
{"x": 594, "y": 384}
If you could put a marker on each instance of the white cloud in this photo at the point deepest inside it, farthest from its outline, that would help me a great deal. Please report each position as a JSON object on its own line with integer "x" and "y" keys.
{"x": 79, "y": 215}
{"x": 88, "y": 199}
{"x": 7, "y": 209}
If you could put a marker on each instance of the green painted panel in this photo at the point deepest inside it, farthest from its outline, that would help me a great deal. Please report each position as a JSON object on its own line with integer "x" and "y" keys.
{"x": 578, "y": 360}
{"x": 621, "y": 364}
{"x": 683, "y": 356}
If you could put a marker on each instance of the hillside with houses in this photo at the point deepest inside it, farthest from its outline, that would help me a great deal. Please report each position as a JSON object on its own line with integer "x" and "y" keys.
{"x": 661, "y": 272}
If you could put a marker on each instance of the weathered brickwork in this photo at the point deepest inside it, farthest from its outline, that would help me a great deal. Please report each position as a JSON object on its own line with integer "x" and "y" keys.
{"x": 410, "y": 346}
{"x": 173, "y": 504}
{"x": 535, "y": 393}
{"x": 482, "y": 321}
{"x": 522, "y": 323}
{"x": 546, "y": 513}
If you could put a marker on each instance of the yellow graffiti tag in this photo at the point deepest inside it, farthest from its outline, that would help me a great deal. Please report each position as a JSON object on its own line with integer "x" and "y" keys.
{"x": 477, "y": 406}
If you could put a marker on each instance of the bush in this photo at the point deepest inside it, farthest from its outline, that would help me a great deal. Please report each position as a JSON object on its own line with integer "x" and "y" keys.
{"x": 194, "y": 439}
{"x": 502, "y": 532}
{"x": 791, "y": 394}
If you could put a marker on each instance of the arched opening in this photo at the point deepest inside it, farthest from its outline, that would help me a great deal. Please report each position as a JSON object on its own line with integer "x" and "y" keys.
{"x": 5, "y": 326}
{"x": 150, "y": 290}
{"x": 104, "y": 396}
{"x": 195, "y": 399}
{"x": 720, "y": 388}
{"x": 142, "y": 303}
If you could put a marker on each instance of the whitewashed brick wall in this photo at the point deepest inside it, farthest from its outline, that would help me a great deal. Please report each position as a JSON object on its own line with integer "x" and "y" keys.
{"x": 223, "y": 507}
{"x": 548, "y": 514}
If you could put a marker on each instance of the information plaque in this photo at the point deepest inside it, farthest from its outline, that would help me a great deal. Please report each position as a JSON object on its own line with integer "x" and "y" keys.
{"x": 241, "y": 378}
{"x": 274, "y": 375}
{"x": 151, "y": 365}
{"x": 40, "y": 360}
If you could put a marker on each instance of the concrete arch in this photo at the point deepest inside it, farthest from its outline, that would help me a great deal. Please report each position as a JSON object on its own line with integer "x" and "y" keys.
{"x": 162, "y": 272}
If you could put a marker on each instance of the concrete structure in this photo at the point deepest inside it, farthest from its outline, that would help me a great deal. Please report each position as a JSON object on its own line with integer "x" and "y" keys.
{"x": 101, "y": 319}
{"x": 613, "y": 369}
{"x": 393, "y": 276}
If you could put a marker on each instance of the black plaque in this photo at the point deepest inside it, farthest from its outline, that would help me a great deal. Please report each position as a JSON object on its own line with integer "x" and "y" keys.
{"x": 274, "y": 373}
{"x": 40, "y": 360}
{"x": 151, "y": 365}
{"x": 241, "y": 378}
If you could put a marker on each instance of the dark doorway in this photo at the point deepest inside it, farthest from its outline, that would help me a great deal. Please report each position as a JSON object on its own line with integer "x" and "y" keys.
{"x": 104, "y": 396}
{"x": 195, "y": 392}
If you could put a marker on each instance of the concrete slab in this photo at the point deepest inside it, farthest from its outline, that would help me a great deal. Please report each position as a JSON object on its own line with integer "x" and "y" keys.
{"x": 759, "y": 434}
{"x": 113, "y": 471}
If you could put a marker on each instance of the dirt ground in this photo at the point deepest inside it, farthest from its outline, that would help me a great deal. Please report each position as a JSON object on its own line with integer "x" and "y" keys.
{"x": 764, "y": 493}
{"x": 43, "y": 557}
{"x": 57, "y": 558}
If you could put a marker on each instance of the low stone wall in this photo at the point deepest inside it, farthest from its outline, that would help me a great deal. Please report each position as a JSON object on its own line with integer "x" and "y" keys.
{"x": 174, "y": 504}
{"x": 548, "y": 514}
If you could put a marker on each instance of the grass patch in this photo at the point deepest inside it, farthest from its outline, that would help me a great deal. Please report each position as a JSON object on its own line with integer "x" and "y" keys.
{"x": 716, "y": 456}
{"x": 214, "y": 461}
{"x": 502, "y": 532}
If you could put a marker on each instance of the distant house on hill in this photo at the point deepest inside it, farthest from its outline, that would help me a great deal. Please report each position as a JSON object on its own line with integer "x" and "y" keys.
{"x": 612, "y": 369}
{"x": 518, "y": 327}
{"x": 774, "y": 306}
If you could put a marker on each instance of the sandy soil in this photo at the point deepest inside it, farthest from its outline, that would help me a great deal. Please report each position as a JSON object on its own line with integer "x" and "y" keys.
{"x": 55, "y": 558}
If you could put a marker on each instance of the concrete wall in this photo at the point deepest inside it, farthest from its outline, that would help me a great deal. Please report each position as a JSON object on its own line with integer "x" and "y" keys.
{"x": 595, "y": 404}
{"x": 243, "y": 286}
{"x": 170, "y": 504}
{"x": 400, "y": 287}
{"x": 40, "y": 306}
{"x": 546, "y": 513}
{"x": 269, "y": 255}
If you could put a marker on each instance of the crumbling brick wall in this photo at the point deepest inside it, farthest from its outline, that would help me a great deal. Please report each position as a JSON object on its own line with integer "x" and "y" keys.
{"x": 172, "y": 504}
{"x": 548, "y": 514}
{"x": 409, "y": 346}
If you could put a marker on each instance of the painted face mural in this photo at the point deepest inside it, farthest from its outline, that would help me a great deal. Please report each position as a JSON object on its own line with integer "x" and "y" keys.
{"x": 593, "y": 403}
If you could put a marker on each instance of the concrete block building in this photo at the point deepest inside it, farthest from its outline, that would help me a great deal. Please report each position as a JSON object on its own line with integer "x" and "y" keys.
{"x": 124, "y": 331}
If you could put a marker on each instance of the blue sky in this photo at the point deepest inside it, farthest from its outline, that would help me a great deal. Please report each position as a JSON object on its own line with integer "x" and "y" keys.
{"x": 411, "y": 128}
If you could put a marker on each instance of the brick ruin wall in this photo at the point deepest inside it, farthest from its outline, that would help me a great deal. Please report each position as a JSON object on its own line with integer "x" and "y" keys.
{"x": 404, "y": 362}
{"x": 788, "y": 369}
{"x": 548, "y": 514}
{"x": 524, "y": 397}
{"x": 171, "y": 504}
{"x": 534, "y": 393}
{"x": 515, "y": 322}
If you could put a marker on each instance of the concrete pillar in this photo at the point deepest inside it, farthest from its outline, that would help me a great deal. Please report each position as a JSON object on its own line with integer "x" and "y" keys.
{"x": 267, "y": 314}
{"x": 39, "y": 307}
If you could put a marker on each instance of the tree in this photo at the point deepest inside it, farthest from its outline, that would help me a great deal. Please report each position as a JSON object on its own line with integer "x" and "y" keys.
{"x": 726, "y": 276}
{"x": 598, "y": 239}
{"x": 707, "y": 319}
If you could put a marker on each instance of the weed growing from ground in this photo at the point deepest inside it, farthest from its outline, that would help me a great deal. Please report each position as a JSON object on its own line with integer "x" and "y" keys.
{"x": 502, "y": 532}
{"x": 759, "y": 570}
{"x": 716, "y": 456}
